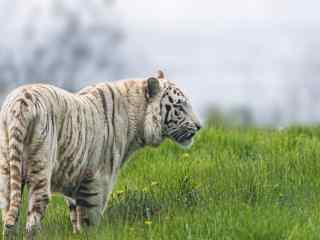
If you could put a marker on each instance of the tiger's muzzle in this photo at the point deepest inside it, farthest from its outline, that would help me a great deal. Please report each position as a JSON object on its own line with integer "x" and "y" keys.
{"x": 184, "y": 136}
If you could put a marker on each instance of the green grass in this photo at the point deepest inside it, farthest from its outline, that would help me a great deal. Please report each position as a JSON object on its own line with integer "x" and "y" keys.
{"x": 232, "y": 184}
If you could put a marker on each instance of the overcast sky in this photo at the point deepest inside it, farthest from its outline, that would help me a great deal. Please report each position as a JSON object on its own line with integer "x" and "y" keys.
{"x": 231, "y": 52}
{"x": 188, "y": 13}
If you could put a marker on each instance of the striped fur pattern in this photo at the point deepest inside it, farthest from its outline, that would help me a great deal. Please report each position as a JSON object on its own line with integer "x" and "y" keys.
{"x": 75, "y": 143}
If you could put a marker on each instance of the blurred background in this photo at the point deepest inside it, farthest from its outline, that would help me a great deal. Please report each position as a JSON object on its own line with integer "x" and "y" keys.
{"x": 243, "y": 62}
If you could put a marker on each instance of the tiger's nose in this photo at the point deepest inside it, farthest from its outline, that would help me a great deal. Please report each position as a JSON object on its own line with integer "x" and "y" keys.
{"x": 198, "y": 126}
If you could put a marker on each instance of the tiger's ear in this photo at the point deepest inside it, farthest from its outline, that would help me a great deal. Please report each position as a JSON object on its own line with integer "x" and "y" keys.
{"x": 153, "y": 88}
{"x": 161, "y": 74}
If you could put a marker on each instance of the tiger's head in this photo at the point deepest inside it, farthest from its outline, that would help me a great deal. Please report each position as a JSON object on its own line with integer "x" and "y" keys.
{"x": 169, "y": 113}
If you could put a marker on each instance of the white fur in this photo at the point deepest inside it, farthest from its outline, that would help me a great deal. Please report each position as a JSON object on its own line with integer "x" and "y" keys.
{"x": 3, "y": 184}
{"x": 187, "y": 144}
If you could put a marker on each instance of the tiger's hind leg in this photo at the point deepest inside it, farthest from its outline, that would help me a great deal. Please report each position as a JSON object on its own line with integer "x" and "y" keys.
{"x": 78, "y": 217}
{"x": 39, "y": 194}
{"x": 12, "y": 231}
{"x": 38, "y": 202}
{"x": 5, "y": 195}
{"x": 4, "y": 185}
{"x": 4, "y": 174}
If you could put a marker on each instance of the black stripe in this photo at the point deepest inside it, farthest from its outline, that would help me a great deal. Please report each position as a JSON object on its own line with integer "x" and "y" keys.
{"x": 45, "y": 198}
{"x": 87, "y": 180}
{"x": 69, "y": 132}
{"x": 36, "y": 149}
{"x": 45, "y": 130}
{"x": 37, "y": 209}
{"x": 84, "y": 188}
{"x": 16, "y": 129}
{"x": 21, "y": 120}
{"x": 71, "y": 169}
{"x": 41, "y": 184}
{"x": 106, "y": 122}
{"x": 103, "y": 100}
{"x": 92, "y": 138}
{"x": 53, "y": 93}
{"x": 93, "y": 102}
{"x": 16, "y": 149}
{"x": 14, "y": 168}
{"x": 81, "y": 194}
{"x": 121, "y": 144}
{"x": 16, "y": 137}
{"x": 4, "y": 170}
{"x": 168, "y": 109}
{"x": 52, "y": 123}
{"x": 61, "y": 129}
{"x": 84, "y": 127}
{"x": 15, "y": 158}
{"x": 113, "y": 102}
{"x": 37, "y": 92}
{"x": 23, "y": 102}
{"x": 85, "y": 203}
{"x": 113, "y": 125}
{"x": 36, "y": 171}
{"x": 71, "y": 157}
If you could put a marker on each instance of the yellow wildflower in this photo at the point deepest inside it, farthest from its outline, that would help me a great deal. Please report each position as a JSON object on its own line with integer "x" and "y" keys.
{"x": 147, "y": 222}
{"x": 185, "y": 155}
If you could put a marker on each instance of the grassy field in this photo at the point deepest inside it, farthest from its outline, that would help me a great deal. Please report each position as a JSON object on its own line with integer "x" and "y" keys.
{"x": 232, "y": 184}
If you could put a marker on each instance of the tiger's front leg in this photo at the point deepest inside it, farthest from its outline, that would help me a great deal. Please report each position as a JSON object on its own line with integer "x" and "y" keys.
{"x": 82, "y": 217}
{"x": 74, "y": 218}
{"x": 89, "y": 203}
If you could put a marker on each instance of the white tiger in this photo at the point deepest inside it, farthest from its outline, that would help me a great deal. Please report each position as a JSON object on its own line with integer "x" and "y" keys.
{"x": 75, "y": 143}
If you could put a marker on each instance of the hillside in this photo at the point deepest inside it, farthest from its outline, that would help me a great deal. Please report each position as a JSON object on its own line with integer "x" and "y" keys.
{"x": 232, "y": 184}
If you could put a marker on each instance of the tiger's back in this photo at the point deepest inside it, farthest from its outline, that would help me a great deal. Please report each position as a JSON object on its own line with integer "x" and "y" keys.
{"x": 60, "y": 138}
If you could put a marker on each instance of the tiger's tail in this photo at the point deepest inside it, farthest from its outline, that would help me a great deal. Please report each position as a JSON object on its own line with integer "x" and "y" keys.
{"x": 20, "y": 117}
